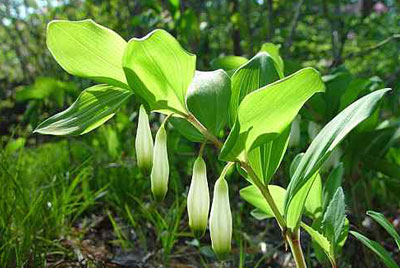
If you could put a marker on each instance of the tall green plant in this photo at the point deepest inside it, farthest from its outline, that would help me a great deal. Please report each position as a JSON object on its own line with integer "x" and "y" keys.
{"x": 257, "y": 101}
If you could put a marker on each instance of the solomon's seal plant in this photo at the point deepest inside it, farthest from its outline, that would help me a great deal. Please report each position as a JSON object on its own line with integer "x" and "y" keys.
{"x": 254, "y": 101}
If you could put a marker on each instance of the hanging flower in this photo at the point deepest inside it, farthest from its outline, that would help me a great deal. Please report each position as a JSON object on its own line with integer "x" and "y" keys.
{"x": 221, "y": 219}
{"x": 160, "y": 171}
{"x": 198, "y": 201}
{"x": 144, "y": 142}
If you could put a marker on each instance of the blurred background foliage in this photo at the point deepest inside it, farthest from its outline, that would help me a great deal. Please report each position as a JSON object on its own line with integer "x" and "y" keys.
{"x": 83, "y": 200}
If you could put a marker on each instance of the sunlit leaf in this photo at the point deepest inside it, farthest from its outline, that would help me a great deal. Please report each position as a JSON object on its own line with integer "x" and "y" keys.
{"x": 267, "y": 112}
{"x": 321, "y": 147}
{"x": 253, "y": 195}
{"x": 313, "y": 205}
{"x": 87, "y": 49}
{"x": 256, "y": 73}
{"x": 160, "y": 71}
{"x": 94, "y": 106}
{"x": 273, "y": 51}
{"x": 228, "y": 63}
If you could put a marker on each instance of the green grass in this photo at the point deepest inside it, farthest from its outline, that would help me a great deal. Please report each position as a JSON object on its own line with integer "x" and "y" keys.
{"x": 48, "y": 190}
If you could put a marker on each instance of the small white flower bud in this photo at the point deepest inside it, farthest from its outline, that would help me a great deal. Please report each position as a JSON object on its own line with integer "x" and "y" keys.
{"x": 160, "y": 171}
{"x": 198, "y": 201}
{"x": 144, "y": 142}
{"x": 221, "y": 219}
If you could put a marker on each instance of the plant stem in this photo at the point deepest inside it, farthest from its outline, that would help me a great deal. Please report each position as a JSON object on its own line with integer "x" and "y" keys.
{"x": 209, "y": 136}
{"x": 295, "y": 246}
{"x": 267, "y": 196}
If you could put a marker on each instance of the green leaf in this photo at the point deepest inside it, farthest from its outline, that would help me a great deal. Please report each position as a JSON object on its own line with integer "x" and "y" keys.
{"x": 208, "y": 99}
{"x": 295, "y": 164}
{"x": 377, "y": 249}
{"x": 252, "y": 195}
{"x": 343, "y": 236}
{"x": 320, "y": 240}
{"x": 258, "y": 214}
{"x": 160, "y": 71}
{"x": 268, "y": 111}
{"x": 94, "y": 106}
{"x": 228, "y": 63}
{"x": 256, "y": 73}
{"x": 334, "y": 217}
{"x": 266, "y": 158}
{"x": 332, "y": 184}
{"x": 273, "y": 51}
{"x": 379, "y": 218}
{"x": 321, "y": 147}
{"x": 87, "y": 49}
{"x": 313, "y": 205}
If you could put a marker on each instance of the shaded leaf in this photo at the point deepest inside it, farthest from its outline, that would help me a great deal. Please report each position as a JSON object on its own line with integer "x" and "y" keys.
{"x": 332, "y": 184}
{"x": 334, "y": 217}
{"x": 208, "y": 99}
{"x": 379, "y": 218}
{"x": 377, "y": 249}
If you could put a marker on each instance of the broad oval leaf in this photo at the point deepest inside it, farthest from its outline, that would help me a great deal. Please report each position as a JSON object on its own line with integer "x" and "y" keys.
{"x": 258, "y": 72}
{"x": 380, "y": 251}
{"x": 160, "y": 71}
{"x": 330, "y": 136}
{"x": 208, "y": 99}
{"x": 87, "y": 49}
{"x": 94, "y": 106}
{"x": 268, "y": 111}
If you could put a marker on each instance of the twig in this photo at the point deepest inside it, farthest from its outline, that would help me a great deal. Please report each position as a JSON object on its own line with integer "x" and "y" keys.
{"x": 372, "y": 48}
{"x": 294, "y": 24}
